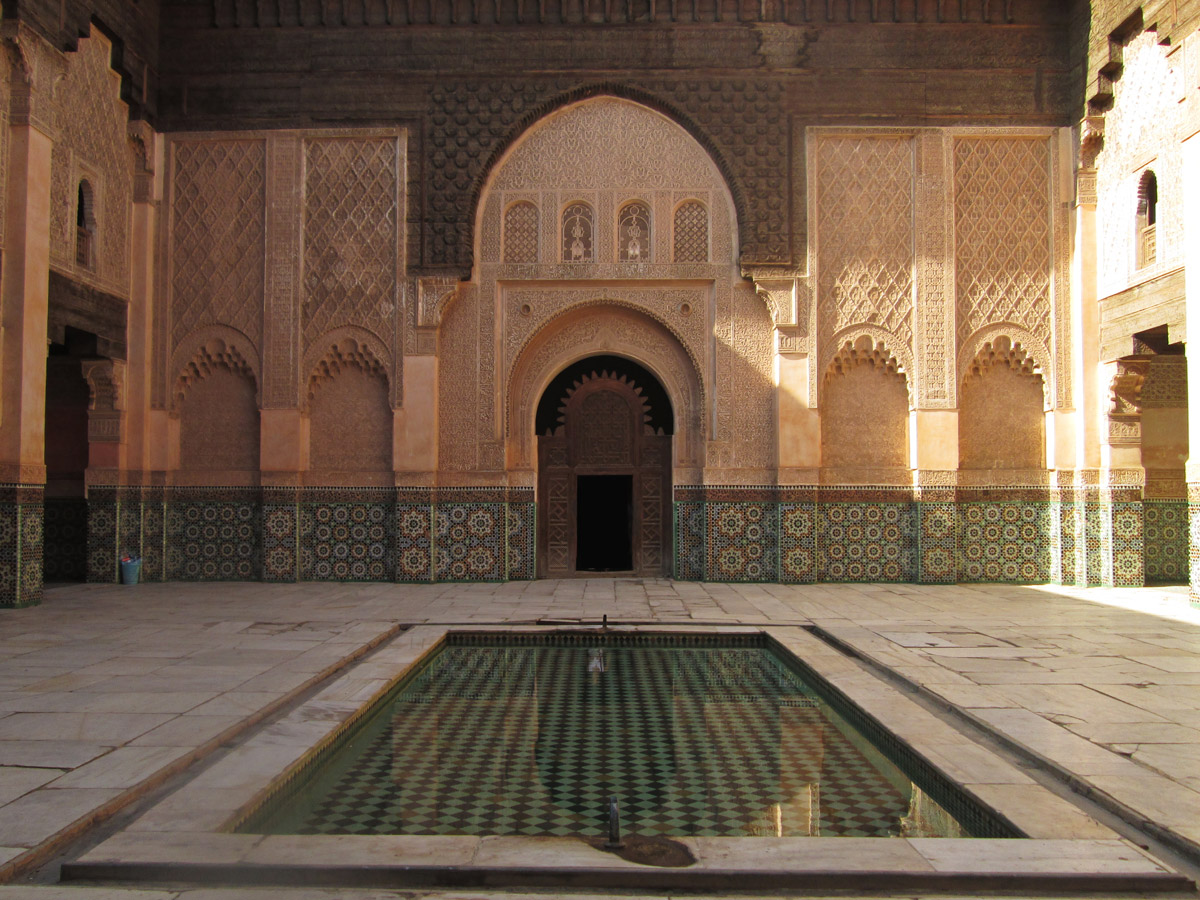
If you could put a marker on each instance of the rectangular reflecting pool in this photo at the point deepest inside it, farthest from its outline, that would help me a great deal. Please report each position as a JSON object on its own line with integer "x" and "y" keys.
{"x": 694, "y": 735}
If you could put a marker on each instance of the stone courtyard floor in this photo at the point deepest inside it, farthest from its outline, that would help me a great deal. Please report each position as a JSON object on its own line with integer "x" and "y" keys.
{"x": 107, "y": 692}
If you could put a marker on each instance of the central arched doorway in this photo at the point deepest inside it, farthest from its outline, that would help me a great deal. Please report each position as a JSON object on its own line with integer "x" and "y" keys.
{"x": 604, "y": 428}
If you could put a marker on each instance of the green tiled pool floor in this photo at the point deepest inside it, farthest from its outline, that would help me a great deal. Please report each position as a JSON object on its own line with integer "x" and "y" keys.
{"x": 532, "y": 740}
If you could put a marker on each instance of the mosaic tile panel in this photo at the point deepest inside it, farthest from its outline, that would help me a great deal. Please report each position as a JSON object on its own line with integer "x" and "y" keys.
{"x": 10, "y": 557}
{"x": 346, "y": 541}
{"x": 102, "y": 522}
{"x": 21, "y": 543}
{"x": 1006, "y": 542}
{"x": 1193, "y": 526}
{"x": 469, "y": 541}
{"x": 797, "y": 543}
{"x": 522, "y": 541}
{"x": 280, "y": 533}
{"x": 690, "y": 541}
{"x": 1165, "y": 524}
{"x": 1092, "y": 545}
{"x": 414, "y": 542}
{"x": 129, "y": 527}
{"x": 29, "y": 585}
{"x": 214, "y": 540}
{"x": 65, "y": 547}
{"x": 1062, "y": 541}
{"x": 154, "y": 536}
{"x": 937, "y": 528}
{"x": 1123, "y": 544}
{"x": 742, "y": 541}
{"x": 866, "y": 541}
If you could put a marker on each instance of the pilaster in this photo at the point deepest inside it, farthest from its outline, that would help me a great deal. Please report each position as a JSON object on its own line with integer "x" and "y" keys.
{"x": 24, "y": 299}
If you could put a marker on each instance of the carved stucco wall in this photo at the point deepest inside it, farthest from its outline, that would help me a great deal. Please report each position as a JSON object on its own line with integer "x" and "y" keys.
{"x": 606, "y": 152}
{"x": 1004, "y": 239}
{"x": 962, "y": 222}
{"x": 287, "y": 247}
{"x": 1140, "y": 133}
{"x": 91, "y": 142}
{"x": 864, "y": 238}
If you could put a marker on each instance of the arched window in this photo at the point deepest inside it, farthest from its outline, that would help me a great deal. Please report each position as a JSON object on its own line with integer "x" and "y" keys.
{"x": 1147, "y": 216}
{"x": 578, "y": 223}
{"x": 85, "y": 227}
{"x": 633, "y": 233}
{"x": 521, "y": 233}
{"x": 691, "y": 232}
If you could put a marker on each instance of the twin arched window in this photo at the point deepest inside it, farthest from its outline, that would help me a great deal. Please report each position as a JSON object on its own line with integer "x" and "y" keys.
{"x": 634, "y": 244}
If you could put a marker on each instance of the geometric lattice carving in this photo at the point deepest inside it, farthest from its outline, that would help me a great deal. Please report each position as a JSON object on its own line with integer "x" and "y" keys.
{"x": 633, "y": 233}
{"x": 212, "y": 356}
{"x": 577, "y": 222}
{"x": 217, "y": 237}
{"x": 1002, "y": 351}
{"x": 521, "y": 233}
{"x": 345, "y": 353}
{"x": 691, "y": 232}
{"x": 1002, "y": 220}
{"x": 1166, "y": 383}
{"x": 350, "y": 235}
{"x": 865, "y": 209}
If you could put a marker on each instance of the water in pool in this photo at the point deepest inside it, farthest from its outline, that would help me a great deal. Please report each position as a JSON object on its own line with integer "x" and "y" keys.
{"x": 532, "y": 740}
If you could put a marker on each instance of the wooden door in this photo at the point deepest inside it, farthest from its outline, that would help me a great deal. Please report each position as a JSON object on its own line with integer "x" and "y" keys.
{"x": 603, "y": 438}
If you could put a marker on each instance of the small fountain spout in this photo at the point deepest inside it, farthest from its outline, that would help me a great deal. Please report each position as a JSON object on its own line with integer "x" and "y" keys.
{"x": 614, "y": 841}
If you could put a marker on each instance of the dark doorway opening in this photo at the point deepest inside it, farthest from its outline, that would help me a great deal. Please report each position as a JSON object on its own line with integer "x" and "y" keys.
{"x": 604, "y": 523}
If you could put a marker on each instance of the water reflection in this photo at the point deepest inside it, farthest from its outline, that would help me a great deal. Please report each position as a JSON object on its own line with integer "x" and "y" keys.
{"x": 534, "y": 740}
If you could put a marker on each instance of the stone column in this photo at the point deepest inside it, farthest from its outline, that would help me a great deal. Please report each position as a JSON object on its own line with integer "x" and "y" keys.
{"x": 24, "y": 305}
{"x": 138, "y": 466}
{"x": 1073, "y": 435}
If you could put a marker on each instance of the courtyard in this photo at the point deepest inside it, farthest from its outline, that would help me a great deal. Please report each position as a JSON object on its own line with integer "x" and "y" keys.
{"x": 114, "y": 696}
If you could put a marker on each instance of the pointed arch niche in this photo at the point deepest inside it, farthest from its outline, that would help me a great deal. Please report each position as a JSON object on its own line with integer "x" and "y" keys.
{"x": 864, "y": 408}
{"x": 1001, "y": 419}
{"x": 350, "y": 416}
{"x": 216, "y": 404}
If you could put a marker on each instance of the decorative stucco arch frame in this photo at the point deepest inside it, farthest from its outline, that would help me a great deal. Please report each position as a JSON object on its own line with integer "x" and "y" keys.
{"x": 210, "y": 347}
{"x": 618, "y": 91}
{"x": 594, "y": 330}
{"x": 866, "y": 340}
{"x": 348, "y": 345}
{"x": 1023, "y": 342}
